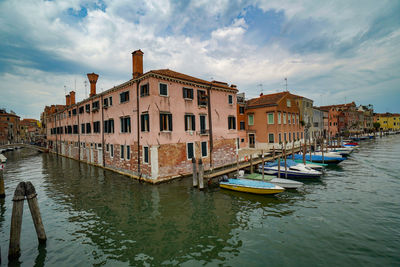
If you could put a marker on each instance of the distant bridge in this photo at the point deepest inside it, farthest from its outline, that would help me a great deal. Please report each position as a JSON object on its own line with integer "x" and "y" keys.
{"x": 39, "y": 148}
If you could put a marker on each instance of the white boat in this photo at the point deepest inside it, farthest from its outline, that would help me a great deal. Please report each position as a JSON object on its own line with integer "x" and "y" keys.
{"x": 3, "y": 158}
{"x": 293, "y": 170}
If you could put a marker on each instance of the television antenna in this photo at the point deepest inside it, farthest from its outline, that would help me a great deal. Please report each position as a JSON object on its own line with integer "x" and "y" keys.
{"x": 261, "y": 88}
{"x": 85, "y": 82}
{"x": 286, "y": 83}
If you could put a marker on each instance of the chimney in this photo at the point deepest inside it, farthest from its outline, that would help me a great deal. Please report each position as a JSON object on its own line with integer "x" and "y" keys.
{"x": 93, "y": 80}
{"x": 261, "y": 94}
{"x": 67, "y": 100}
{"x": 137, "y": 63}
{"x": 72, "y": 97}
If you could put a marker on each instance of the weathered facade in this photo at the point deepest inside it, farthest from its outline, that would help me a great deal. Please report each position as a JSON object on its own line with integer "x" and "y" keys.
{"x": 9, "y": 127}
{"x": 150, "y": 126}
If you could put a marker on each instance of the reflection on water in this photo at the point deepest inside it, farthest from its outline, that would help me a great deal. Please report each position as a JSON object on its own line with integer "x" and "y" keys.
{"x": 97, "y": 217}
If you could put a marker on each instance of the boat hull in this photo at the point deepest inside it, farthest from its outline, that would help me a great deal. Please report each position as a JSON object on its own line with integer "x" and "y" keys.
{"x": 259, "y": 191}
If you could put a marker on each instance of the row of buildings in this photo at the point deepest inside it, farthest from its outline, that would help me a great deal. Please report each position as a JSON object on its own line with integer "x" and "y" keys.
{"x": 153, "y": 125}
{"x": 15, "y": 130}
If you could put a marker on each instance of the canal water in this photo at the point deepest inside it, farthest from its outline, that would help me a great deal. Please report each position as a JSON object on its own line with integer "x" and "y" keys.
{"x": 92, "y": 217}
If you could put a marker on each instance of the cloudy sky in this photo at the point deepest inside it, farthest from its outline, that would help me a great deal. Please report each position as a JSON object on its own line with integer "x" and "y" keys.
{"x": 330, "y": 51}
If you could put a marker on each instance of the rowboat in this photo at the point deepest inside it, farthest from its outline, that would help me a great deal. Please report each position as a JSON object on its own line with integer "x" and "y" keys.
{"x": 251, "y": 186}
{"x": 285, "y": 183}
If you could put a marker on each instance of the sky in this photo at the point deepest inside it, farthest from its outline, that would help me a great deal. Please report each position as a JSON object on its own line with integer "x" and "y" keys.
{"x": 330, "y": 51}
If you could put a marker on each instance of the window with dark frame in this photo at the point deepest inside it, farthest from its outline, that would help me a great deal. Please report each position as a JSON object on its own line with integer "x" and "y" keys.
{"x": 124, "y": 97}
{"x": 187, "y": 93}
{"x": 231, "y": 123}
{"x": 230, "y": 99}
{"x": 82, "y": 128}
{"x": 125, "y": 124}
{"x": 146, "y": 154}
{"x": 190, "y": 122}
{"x": 165, "y": 122}
{"x": 95, "y": 105}
{"x": 241, "y": 110}
{"x": 145, "y": 122}
{"x": 242, "y": 125}
{"x": 87, "y": 108}
{"x": 96, "y": 127}
{"x": 190, "y": 150}
{"x": 81, "y": 109}
{"x": 201, "y": 98}
{"x": 109, "y": 126}
{"x": 128, "y": 152}
{"x": 75, "y": 129}
{"x": 204, "y": 150}
{"x": 144, "y": 90}
{"x": 163, "y": 89}
{"x": 88, "y": 128}
{"x": 74, "y": 112}
{"x": 111, "y": 150}
{"x": 271, "y": 139}
{"x": 122, "y": 152}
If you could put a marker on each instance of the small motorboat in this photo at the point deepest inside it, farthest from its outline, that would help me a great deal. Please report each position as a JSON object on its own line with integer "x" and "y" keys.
{"x": 312, "y": 165}
{"x": 293, "y": 170}
{"x": 285, "y": 183}
{"x": 251, "y": 186}
{"x": 3, "y": 158}
{"x": 318, "y": 158}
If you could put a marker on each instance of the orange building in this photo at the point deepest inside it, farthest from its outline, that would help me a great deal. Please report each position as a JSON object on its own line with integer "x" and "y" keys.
{"x": 241, "y": 121}
{"x": 273, "y": 120}
{"x": 9, "y": 127}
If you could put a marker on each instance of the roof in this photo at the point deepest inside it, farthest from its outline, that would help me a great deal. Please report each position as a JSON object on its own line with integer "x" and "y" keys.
{"x": 338, "y": 106}
{"x": 267, "y": 100}
{"x": 181, "y": 76}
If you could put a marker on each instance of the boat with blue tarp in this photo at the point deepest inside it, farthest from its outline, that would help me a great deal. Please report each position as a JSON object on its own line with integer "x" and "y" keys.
{"x": 251, "y": 186}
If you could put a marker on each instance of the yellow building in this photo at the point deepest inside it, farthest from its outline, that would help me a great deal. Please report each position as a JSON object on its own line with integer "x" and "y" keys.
{"x": 388, "y": 121}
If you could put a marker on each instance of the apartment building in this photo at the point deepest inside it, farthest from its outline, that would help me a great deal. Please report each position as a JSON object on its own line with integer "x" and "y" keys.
{"x": 9, "y": 127}
{"x": 151, "y": 126}
{"x": 273, "y": 119}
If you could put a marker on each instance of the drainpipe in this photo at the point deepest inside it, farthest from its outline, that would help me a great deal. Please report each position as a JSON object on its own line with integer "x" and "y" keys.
{"x": 102, "y": 131}
{"x": 210, "y": 125}
{"x": 138, "y": 125}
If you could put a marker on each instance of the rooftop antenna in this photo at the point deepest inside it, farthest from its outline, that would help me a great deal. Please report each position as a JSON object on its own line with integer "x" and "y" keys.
{"x": 261, "y": 88}
{"x": 286, "y": 83}
{"x": 85, "y": 82}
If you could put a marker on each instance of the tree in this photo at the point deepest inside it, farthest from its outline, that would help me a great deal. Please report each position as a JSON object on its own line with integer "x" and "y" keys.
{"x": 377, "y": 125}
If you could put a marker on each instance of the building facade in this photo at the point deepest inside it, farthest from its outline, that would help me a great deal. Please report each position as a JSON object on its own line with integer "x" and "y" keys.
{"x": 317, "y": 126}
{"x": 151, "y": 126}
{"x": 9, "y": 127}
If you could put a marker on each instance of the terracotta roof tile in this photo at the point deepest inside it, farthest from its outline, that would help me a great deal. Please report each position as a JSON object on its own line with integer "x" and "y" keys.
{"x": 271, "y": 99}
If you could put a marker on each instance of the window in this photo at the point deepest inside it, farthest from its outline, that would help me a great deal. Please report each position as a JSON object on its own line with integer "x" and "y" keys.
{"x": 203, "y": 124}
{"x": 241, "y": 110}
{"x": 105, "y": 102}
{"x": 165, "y": 122}
{"x": 288, "y": 103}
{"x": 187, "y": 93}
{"x": 251, "y": 119}
{"x": 69, "y": 129}
{"x": 241, "y": 126}
{"x": 88, "y": 128}
{"x": 122, "y": 152}
{"x": 279, "y": 118}
{"x": 124, "y": 97}
{"x": 107, "y": 147}
{"x": 293, "y": 119}
{"x": 125, "y": 124}
{"x": 284, "y": 137}
{"x": 204, "y": 150}
{"x": 75, "y": 130}
{"x": 144, "y": 90}
{"x": 95, "y": 105}
{"x": 74, "y": 112}
{"x": 163, "y": 89}
{"x": 301, "y": 135}
{"x": 81, "y": 109}
{"x": 290, "y": 137}
{"x": 284, "y": 118}
{"x": 230, "y": 99}
{"x": 288, "y": 118}
{"x": 297, "y": 135}
{"x": 146, "y": 154}
{"x": 87, "y": 107}
{"x": 280, "y": 138}
{"x": 190, "y": 150}
{"x": 145, "y": 122}
{"x": 96, "y": 127}
{"x": 190, "y": 123}
{"x": 231, "y": 123}
{"x": 69, "y": 113}
{"x": 271, "y": 139}
{"x": 109, "y": 126}
{"x": 201, "y": 98}
{"x": 270, "y": 118}
{"x": 111, "y": 150}
{"x": 128, "y": 152}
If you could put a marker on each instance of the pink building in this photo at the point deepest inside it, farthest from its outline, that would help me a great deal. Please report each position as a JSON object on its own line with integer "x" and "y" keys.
{"x": 150, "y": 126}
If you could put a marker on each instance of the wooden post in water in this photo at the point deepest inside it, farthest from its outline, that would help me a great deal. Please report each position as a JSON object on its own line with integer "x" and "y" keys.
{"x": 279, "y": 166}
{"x": 195, "y": 181}
{"x": 237, "y": 165}
{"x": 304, "y": 151}
{"x": 2, "y": 188}
{"x": 262, "y": 162}
{"x": 14, "y": 250}
{"x": 293, "y": 150}
{"x": 285, "y": 162}
{"x": 322, "y": 149}
{"x": 251, "y": 163}
{"x": 201, "y": 175}
{"x": 309, "y": 140}
{"x": 35, "y": 212}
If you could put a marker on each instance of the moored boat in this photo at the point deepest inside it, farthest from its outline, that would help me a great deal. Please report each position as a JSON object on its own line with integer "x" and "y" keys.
{"x": 285, "y": 183}
{"x": 319, "y": 159}
{"x": 293, "y": 170}
{"x": 251, "y": 186}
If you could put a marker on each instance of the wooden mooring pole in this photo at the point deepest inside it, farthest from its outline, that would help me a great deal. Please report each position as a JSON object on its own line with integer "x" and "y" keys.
{"x": 2, "y": 188}
{"x": 31, "y": 196}
{"x": 24, "y": 190}
{"x": 262, "y": 162}
{"x": 251, "y": 163}
{"x": 201, "y": 175}
{"x": 293, "y": 150}
{"x": 195, "y": 182}
{"x": 285, "y": 162}
{"x": 14, "y": 250}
